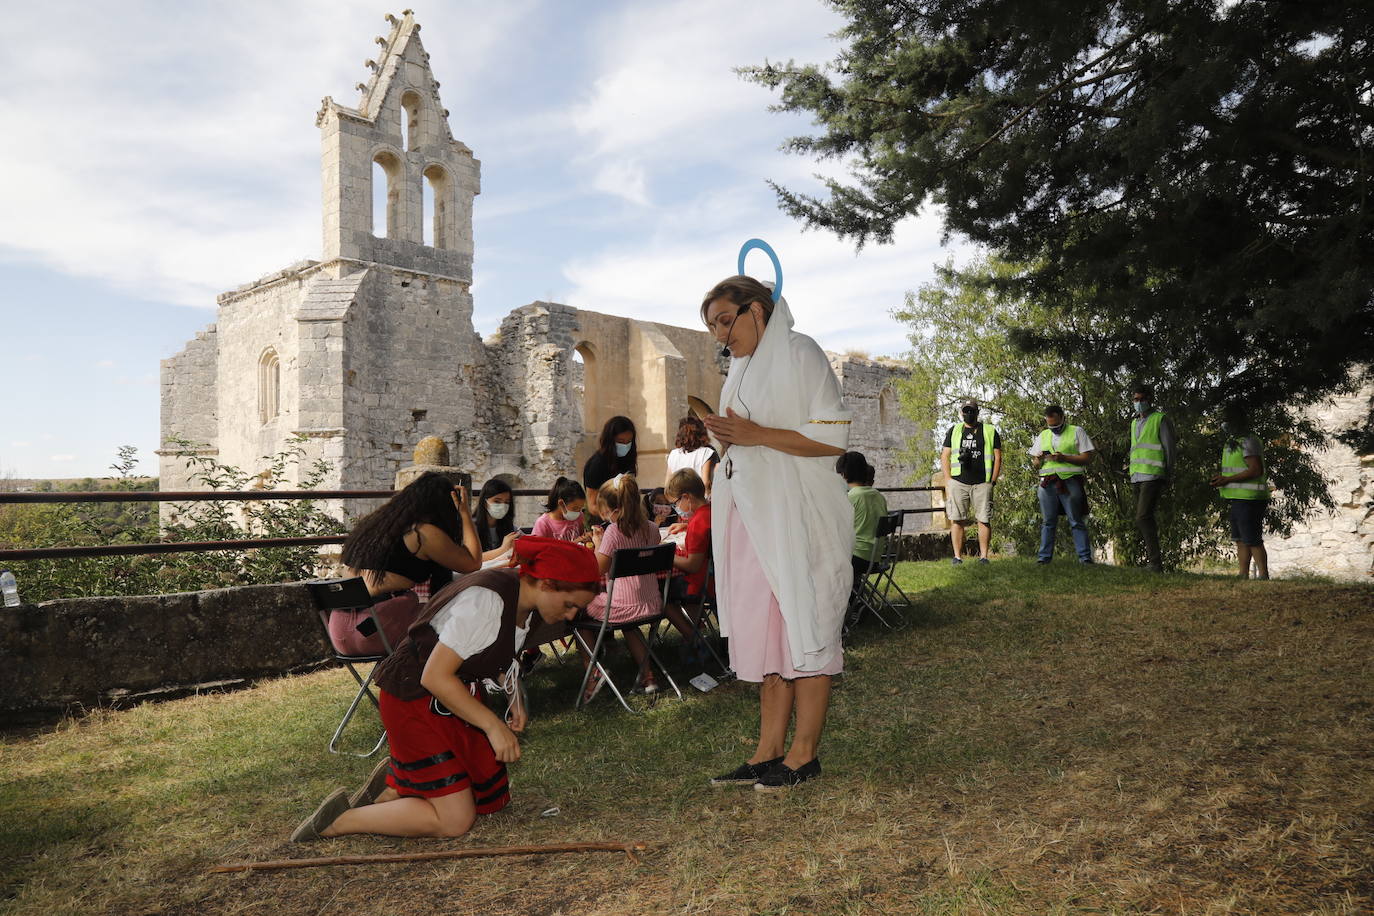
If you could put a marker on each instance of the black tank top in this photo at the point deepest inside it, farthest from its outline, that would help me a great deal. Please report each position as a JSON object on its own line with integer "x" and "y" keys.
{"x": 404, "y": 563}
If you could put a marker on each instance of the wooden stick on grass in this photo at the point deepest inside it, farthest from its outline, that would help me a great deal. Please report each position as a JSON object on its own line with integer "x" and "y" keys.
{"x": 479, "y": 852}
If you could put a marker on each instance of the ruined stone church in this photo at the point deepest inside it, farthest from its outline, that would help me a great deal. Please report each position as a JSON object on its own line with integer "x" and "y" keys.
{"x": 372, "y": 348}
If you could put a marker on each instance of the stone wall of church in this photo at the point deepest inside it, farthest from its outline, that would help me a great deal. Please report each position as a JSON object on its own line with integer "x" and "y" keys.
{"x": 880, "y": 431}
{"x": 531, "y": 409}
{"x": 188, "y": 382}
{"x": 253, "y": 320}
{"x": 413, "y": 369}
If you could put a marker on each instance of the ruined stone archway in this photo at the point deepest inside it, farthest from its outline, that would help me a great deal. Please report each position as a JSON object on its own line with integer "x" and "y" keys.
{"x": 584, "y": 383}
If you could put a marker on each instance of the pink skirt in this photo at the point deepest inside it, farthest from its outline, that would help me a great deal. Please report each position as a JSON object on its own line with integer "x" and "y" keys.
{"x": 758, "y": 634}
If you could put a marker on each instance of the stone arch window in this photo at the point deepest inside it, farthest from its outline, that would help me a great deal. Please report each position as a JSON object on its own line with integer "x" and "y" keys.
{"x": 437, "y": 191}
{"x": 584, "y": 385}
{"x": 386, "y": 194}
{"x": 698, "y": 408}
{"x": 269, "y": 386}
{"x": 412, "y": 124}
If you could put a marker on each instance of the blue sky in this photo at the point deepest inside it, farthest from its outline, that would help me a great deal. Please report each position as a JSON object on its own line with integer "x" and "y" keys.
{"x": 158, "y": 154}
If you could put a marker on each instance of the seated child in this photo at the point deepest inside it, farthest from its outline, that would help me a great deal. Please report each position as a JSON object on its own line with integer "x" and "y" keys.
{"x": 563, "y": 519}
{"x": 687, "y": 492}
{"x": 637, "y": 597}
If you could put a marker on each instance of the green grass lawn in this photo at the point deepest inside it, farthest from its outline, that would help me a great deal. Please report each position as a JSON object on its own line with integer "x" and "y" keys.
{"x": 1040, "y": 740}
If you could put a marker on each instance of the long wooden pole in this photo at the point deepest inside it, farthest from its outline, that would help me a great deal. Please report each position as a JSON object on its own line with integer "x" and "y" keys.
{"x": 480, "y": 852}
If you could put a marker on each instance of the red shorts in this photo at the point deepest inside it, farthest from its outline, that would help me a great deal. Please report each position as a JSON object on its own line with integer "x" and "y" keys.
{"x": 436, "y": 753}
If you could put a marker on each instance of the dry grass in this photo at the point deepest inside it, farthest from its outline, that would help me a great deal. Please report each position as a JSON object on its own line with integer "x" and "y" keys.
{"x": 1095, "y": 741}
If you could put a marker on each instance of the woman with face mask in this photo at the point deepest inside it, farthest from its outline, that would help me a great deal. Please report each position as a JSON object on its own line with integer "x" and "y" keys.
{"x": 495, "y": 518}
{"x": 616, "y": 453}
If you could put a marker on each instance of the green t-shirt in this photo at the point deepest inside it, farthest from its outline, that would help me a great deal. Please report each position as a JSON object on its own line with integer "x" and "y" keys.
{"x": 869, "y": 508}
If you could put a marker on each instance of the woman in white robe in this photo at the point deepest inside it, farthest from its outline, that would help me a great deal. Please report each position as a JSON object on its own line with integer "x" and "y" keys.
{"x": 782, "y": 526}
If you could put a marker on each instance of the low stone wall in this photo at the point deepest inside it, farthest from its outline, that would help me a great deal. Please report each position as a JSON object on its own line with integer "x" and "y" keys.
{"x": 88, "y": 651}
{"x": 926, "y": 545}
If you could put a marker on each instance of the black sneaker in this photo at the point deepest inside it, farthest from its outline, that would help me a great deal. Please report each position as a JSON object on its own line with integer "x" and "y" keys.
{"x": 783, "y": 777}
{"x": 746, "y": 773}
{"x": 955, "y": 561}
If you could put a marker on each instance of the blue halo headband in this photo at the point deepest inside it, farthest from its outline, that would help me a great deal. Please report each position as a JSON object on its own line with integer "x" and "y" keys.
{"x": 763, "y": 246}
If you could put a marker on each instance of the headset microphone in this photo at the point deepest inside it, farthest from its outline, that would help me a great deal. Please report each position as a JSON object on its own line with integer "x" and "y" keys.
{"x": 725, "y": 350}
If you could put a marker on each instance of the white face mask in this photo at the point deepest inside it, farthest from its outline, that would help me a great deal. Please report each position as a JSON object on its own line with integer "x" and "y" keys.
{"x": 623, "y": 448}
{"x": 572, "y": 515}
{"x": 497, "y": 510}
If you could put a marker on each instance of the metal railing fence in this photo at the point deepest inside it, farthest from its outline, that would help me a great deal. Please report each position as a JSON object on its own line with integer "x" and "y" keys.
{"x": 149, "y": 496}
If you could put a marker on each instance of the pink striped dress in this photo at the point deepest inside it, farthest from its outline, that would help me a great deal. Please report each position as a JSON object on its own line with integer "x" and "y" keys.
{"x": 636, "y": 596}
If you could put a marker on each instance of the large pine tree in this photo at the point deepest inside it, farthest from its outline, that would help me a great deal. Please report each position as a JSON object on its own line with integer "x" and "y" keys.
{"x": 1199, "y": 167}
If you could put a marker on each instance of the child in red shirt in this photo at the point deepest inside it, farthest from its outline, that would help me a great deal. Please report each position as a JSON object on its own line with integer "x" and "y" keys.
{"x": 687, "y": 492}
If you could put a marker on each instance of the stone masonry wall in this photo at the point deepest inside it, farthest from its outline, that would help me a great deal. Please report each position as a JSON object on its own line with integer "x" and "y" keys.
{"x": 1339, "y": 543}
{"x": 401, "y": 125}
{"x": 188, "y": 382}
{"x": 880, "y": 431}
{"x": 90, "y": 651}
{"x": 413, "y": 369}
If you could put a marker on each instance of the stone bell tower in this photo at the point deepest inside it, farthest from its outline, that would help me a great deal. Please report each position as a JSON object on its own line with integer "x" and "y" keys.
{"x": 399, "y": 134}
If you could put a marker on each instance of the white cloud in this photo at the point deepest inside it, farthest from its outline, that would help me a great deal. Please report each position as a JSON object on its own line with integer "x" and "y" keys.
{"x": 62, "y": 458}
{"x": 105, "y": 364}
{"x": 668, "y": 113}
{"x": 20, "y": 444}
{"x": 623, "y": 178}
{"x": 176, "y": 155}
{"x": 842, "y": 299}
{"x": 671, "y": 72}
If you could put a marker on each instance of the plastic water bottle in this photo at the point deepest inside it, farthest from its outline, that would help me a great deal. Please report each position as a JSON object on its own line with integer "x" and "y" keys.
{"x": 9, "y": 589}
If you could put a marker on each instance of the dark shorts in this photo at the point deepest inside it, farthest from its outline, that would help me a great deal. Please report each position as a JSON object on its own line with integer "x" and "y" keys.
{"x": 1247, "y": 521}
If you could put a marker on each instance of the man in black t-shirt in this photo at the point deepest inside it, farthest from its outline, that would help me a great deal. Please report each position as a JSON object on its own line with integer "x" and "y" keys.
{"x": 971, "y": 458}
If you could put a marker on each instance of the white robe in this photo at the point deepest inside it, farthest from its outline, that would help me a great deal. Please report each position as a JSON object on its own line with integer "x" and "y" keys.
{"x": 796, "y": 510}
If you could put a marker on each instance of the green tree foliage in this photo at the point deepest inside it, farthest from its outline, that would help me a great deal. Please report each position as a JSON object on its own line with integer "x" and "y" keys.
{"x": 1188, "y": 181}
{"x": 92, "y": 524}
{"x": 961, "y": 347}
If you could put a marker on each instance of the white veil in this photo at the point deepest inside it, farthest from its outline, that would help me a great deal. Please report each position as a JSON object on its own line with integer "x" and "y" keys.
{"x": 796, "y": 510}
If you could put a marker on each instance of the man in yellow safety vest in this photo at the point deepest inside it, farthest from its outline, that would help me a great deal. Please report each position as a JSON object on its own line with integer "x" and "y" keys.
{"x": 1151, "y": 465}
{"x": 1242, "y": 483}
{"x": 1061, "y": 453}
{"x": 972, "y": 461}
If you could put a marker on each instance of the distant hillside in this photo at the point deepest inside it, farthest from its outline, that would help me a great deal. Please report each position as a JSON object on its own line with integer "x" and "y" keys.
{"x": 75, "y": 484}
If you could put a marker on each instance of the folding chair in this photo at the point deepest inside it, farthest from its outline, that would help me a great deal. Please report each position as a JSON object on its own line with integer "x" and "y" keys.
{"x": 707, "y": 621}
{"x": 629, "y": 561}
{"x": 337, "y": 595}
{"x": 871, "y": 590}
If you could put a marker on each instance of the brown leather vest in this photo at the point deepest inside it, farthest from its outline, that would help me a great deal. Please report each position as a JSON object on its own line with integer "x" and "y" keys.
{"x": 399, "y": 673}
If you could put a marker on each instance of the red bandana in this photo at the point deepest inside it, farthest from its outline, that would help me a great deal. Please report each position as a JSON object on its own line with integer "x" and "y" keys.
{"x": 550, "y": 558}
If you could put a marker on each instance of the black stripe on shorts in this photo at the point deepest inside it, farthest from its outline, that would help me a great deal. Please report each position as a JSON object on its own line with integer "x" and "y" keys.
{"x": 484, "y": 786}
{"x": 426, "y": 762}
{"x": 433, "y": 784}
{"x": 491, "y": 796}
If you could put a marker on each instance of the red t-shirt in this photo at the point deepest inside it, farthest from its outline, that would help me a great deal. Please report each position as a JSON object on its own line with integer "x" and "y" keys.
{"x": 698, "y": 540}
